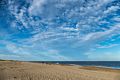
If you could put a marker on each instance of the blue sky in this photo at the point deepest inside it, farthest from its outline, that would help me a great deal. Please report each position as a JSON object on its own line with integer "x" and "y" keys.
{"x": 60, "y": 30}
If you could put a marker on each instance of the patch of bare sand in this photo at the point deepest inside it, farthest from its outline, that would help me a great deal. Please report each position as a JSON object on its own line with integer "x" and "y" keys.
{"x": 12, "y": 70}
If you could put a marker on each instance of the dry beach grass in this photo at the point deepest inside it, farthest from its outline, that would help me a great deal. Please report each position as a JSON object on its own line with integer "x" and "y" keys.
{"x": 13, "y": 70}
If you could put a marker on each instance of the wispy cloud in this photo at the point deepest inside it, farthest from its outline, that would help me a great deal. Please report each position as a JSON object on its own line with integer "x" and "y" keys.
{"x": 102, "y": 34}
{"x": 107, "y": 46}
{"x": 55, "y": 25}
{"x": 106, "y": 56}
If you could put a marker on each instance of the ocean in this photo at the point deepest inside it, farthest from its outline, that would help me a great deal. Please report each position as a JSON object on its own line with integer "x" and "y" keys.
{"x": 107, "y": 64}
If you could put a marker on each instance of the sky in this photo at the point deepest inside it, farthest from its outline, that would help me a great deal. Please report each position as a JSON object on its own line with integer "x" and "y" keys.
{"x": 60, "y": 30}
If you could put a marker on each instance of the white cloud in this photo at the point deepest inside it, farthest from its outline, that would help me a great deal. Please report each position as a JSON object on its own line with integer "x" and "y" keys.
{"x": 9, "y": 57}
{"x": 107, "y": 46}
{"x": 70, "y": 29}
{"x": 107, "y": 56}
{"x": 61, "y": 21}
{"x": 117, "y": 19}
{"x": 111, "y": 9}
{"x": 103, "y": 34}
{"x": 36, "y": 7}
{"x": 32, "y": 52}
{"x": 54, "y": 55}
{"x": 21, "y": 51}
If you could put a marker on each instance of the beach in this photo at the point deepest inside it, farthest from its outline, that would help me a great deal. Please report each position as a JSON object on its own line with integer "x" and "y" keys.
{"x": 15, "y": 70}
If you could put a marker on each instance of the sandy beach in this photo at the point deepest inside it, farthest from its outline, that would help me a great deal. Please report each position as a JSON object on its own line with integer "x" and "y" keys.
{"x": 13, "y": 70}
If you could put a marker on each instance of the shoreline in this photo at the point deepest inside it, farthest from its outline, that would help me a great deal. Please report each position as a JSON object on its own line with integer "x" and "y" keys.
{"x": 57, "y": 63}
{"x": 105, "y": 67}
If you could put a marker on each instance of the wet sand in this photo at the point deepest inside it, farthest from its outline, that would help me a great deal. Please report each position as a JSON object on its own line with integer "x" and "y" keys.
{"x": 13, "y": 70}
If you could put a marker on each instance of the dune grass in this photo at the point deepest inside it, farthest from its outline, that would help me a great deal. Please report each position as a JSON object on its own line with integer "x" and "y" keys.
{"x": 14, "y": 70}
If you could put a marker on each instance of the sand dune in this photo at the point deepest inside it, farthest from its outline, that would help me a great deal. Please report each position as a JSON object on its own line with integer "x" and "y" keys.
{"x": 12, "y": 70}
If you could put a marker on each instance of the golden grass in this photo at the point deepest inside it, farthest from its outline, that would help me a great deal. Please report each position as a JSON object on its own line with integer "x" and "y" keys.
{"x": 13, "y": 70}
